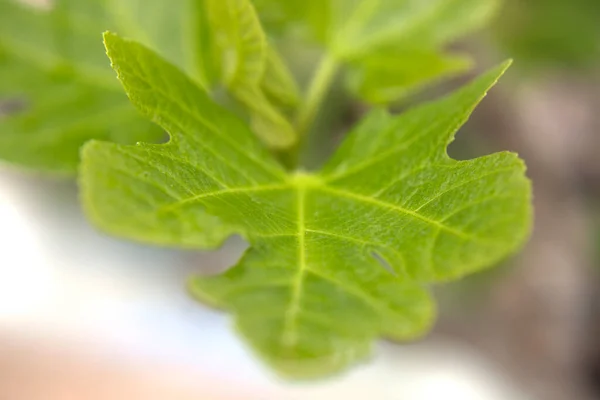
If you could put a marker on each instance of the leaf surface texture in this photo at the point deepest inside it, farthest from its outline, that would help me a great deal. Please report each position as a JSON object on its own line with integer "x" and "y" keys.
{"x": 339, "y": 257}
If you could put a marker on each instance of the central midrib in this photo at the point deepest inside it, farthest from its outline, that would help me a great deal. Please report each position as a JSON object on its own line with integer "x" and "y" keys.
{"x": 289, "y": 336}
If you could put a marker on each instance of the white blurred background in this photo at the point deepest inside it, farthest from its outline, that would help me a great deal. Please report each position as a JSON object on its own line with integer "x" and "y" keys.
{"x": 84, "y": 316}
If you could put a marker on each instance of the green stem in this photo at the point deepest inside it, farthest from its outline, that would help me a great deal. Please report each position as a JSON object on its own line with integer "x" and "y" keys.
{"x": 319, "y": 87}
{"x": 309, "y": 109}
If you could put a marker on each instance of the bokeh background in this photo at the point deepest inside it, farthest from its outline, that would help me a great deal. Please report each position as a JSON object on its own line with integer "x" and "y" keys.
{"x": 85, "y": 316}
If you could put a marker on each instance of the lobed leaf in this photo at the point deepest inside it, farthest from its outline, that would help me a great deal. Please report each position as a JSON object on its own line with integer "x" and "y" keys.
{"x": 338, "y": 258}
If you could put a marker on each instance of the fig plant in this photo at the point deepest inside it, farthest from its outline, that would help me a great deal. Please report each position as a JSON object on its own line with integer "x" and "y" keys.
{"x": 339, "y": 256}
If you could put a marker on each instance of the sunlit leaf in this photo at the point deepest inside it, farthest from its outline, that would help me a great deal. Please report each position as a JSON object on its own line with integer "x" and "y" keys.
{"x": 338, "y": 257}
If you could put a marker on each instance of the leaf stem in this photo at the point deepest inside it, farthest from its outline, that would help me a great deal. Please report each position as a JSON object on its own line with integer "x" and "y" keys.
{"x": 320, "y": 84}
{"x": 318, "y": 89}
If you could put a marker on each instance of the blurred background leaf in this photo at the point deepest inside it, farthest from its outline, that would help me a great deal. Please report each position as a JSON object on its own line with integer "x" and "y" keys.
{"x": 54, "y": 62}
{"x": 551, "y": 33}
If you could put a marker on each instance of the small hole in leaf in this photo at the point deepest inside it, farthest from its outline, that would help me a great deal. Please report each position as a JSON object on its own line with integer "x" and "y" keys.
{"x": 383, "y": 262}
{"x": 12, "y": 106}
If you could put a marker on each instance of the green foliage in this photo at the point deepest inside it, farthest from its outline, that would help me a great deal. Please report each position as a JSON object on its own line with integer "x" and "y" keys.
{"x": 338, "y": 257}
{"x": 53, "y": 62}
{"x": 552, "y": 33}
{"x": 392, "y": 47}
{"x": 252, "y": 70}
{"x": 386, "y": 76}
{"x": 179, "y": 31}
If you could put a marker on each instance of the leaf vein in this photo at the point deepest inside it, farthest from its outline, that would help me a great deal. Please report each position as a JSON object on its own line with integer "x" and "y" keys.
{"x": 461, "y": 184}
{"x": 402, "y": 210}
{"x": 226, "y": 191}
{"x": 217, "y": 133}
{"x": 289, "y": 335}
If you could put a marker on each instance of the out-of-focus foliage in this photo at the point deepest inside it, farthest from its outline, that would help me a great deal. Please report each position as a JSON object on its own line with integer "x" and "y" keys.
{"x": 179, "y": 31}
{"x": 392, "y": 47}
{"x": 252, "y": 70}
{"x": 52, "y": 62}
{"x": 554, "y": 33}
{"x": 53, "y": 66}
